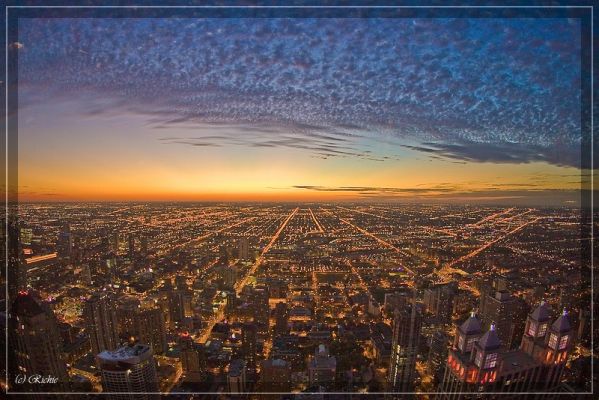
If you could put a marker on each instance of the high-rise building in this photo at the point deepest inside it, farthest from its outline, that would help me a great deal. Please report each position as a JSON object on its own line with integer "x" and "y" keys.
{"x": 275, "y": 376}
{"x": 131, "y": 245}
{"x": 487, "y": 366}
{"x": 281, "y": 318}
{"x": 152, "y": 329}
{"x": 438, "y": 300}
{"x": 37, "y": 344}
{"x": 129, "y": 373}
{"x": 322, "y": 367}
{"x": 64, "y": 242}
{"x": 193, "y": 359}
{"x": 407, "y": 324}
{"x": 243, "y": 249}
{"x": 437, "y": 355}
{"x": 499, "y": 309}
{"x": 236, "y": 377}
{"x": 249, "y": 339}
{"x": 99, "y": 313}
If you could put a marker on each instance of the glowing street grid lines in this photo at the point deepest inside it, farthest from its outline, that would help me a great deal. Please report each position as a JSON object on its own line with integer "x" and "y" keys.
{"x": 316, "y": 221}
{"x": 207, "y": 235}
{"x": 378, "y": 239}
{"x": 240, "y": 285}
{"x": 492, "y": 216}
{"x": 450, "y": 266}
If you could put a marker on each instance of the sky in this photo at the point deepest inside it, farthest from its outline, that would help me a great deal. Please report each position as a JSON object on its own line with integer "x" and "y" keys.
{"x": 299, "y": 109}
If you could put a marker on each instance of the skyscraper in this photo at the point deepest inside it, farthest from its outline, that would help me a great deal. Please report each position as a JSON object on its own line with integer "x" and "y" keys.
{"x": 99, "y": 313}
{"x": 275, "y": 376}
{"x": 129, "y": 372}
{"x": 152, "y": 329}
{"x": 236, "y": 378}
{"x": 281, "y": 318}
{"x": 37, "y": 344}
{"x": 249, "y": 337}
{"x": 490, "y": 367}
{"x": 438, "y": 300}
{"x": 64, "y": 242}
{"x": 193, "y": 359}
{"x": 243, "y": 249}
{"x": 406, "y": 335}
{"x": 437, "y": 355}
{"x": 322, "y": 367}
{"x": 499, "y": 309}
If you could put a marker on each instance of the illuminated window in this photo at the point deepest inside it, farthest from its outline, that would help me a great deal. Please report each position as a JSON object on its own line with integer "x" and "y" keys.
{"x": 563, "y": 342}
{"x": 479, "y": 359}
{"x": 470, "y": 344}
{"x": 542, "y": 330}
{"x": 553, "y": 341}
{"x": 532, "y": 329}
{"x": 491, "y": 360}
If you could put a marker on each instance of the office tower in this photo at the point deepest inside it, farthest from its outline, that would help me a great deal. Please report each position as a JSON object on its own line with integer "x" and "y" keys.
{"x": 37, "y": 344}
{"x": 407, "y": 324}
{"x": 243, "y": 249}
{"x": 236, "y": 377}
{"x": 17, "y": 268}
{"x": 548, "y": 344}
{"x": 143, "y": 245}
{"x": 261, "y": 308}
{"x": 131, "y": 245}
{"x": 500, "y": 310}
{"x": 275, "y": 376}
{"x": 99, "y": 313}
{"x": 179, "y": 305}
{"x": 229, "y": 276}
{"x": 129, "y": 372}
{"x": 127, "y": 314}
{"x": 64, "y": 242}
{"x": 231, "y": 302}
{"x": 501, "y": 284}
{"x": 322, "y": 367}
{"x": 438, "y": 300}
{"x": 537, "y": 366}
{"x": 152, "y": 329}
{"x": 114, "y": 242}
{"x": 281, "y": 318}
{"x": 193, "y": 359}
{"x": 437, "y": 355}
{"x": 249, "y": 339}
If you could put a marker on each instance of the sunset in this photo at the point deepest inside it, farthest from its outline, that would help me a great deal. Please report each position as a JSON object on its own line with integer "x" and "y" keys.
{"x": 211, "y": 200}
{"x": 280, "y": 109}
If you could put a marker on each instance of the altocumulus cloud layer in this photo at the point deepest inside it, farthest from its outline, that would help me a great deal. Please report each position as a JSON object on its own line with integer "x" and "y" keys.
{"x": 498, "y": 90}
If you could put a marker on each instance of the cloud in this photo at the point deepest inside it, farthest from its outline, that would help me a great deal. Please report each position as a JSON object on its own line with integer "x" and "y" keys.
{"x": 483, "y": 90}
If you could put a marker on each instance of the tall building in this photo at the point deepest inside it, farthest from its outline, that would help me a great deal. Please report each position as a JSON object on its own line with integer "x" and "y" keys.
{"x": 152, "y": 329}
{"x": 99, "y": 313}
{"x": 487, "y": 366}
{"x": 193, "y": 359}
{"x": 249, "y": 339}
{"x": 322, "y": 367}
{"x": 438, "y": 300}
{"x": 404, "y": 347}
{"x": 281, "y": 318}
{"x": 236, "y": 377}
{"x": 64, "y": 242}
{"x": 244, "y": 249}
{"x": 437, "y": 355}
{"x": 499, "y": 309}
{"x": 275, "y": 376}
{"x": 129, "y": 373}
{"x": 37, "y": 344}
{"x": 131, "y": 245}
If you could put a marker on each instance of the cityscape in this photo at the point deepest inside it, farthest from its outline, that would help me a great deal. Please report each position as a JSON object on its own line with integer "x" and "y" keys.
{"x": 282, "y": 298}
{"x": 280, "y": 203}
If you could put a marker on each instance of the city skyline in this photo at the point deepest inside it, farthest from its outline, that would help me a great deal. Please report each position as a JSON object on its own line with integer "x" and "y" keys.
{"x": 300, "y": 110}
